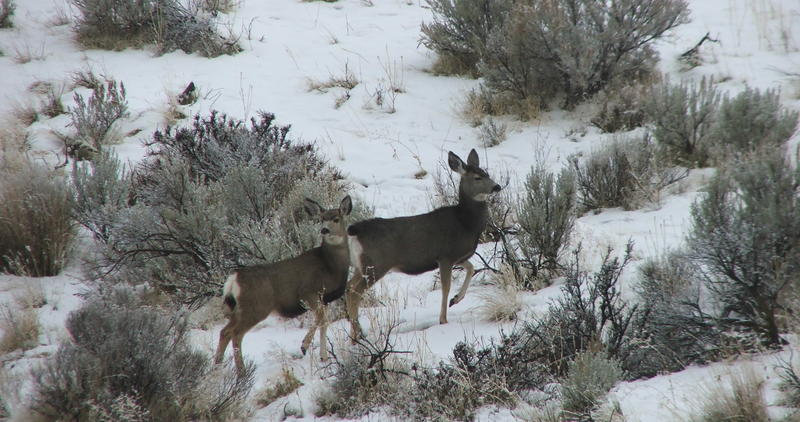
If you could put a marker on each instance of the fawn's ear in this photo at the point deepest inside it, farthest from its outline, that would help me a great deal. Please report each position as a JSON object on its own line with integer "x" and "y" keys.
{"x": 472, "y": 159}
{"x": 312, "y": 208}
{"x": 346, "y": 205}
{"x": 455, "y": 163}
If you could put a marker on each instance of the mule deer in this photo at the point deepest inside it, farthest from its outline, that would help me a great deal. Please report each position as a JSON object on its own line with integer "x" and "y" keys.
{"x": 290, "y": 287}
{"x": 440, "y": 239}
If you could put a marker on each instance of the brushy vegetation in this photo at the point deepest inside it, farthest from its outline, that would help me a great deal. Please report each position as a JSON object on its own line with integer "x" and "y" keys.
{"x": 697, "y": 126}
{"x": 118, "y": 24}
{"x": 751, "y": 121}
{"x": 6, "y": 12}
{"x": 746, "y": 239}
{"x": 20, "y": 328}
{"x": 94, "y": 120}
{"x": 589, "y": 378}
{"x": 790, "y": 384}
{"x": 744, "y": 402}
{"x": 621, "y": 109}
{"x": 129, "y": 361}
{"x": 207, "y": 198}
{"x": 545, "y": 220}
{"x": 36, "y": 226}
{"x": 626, "y": 173}
{"x": 569, "y": 49}
{"x": 285, "y": 385}
{"x": 683, "y": 117}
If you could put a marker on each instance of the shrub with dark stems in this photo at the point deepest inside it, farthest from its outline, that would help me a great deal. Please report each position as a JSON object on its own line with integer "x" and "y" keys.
{"x": 746, "y": 239}
{"x": 207, "y": 199}
{"x": 118, "y": 24}
{"x": 126, "y": 361}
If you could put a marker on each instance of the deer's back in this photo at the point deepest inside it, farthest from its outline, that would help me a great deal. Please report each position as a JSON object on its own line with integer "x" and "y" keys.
{"x": 415, "y": 244}
{"x": 293, "y": 283}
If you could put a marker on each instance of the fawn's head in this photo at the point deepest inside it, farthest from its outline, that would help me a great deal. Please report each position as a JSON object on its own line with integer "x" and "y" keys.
{"x": 332, "y": 220}
{"x": 475, "y": 183}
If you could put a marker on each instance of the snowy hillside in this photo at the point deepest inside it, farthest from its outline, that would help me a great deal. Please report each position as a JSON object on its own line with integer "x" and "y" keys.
{"x": 389, "y": 136}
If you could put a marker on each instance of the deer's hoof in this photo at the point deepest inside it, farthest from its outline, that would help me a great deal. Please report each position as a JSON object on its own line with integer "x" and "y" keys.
{"x": 442, "y": 321}
{"x": 454, "y": 300}
{"x": 303, "y": 350}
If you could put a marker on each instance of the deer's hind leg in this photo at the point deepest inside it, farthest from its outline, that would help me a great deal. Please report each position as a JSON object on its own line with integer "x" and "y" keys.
{"x": 225, "y": 336}
{"x": 446, "y": 274}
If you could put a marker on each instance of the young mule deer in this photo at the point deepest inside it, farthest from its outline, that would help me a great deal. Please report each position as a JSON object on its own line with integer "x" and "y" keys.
{"x": 442, "y": 238}
{"x": 290, "y": 287}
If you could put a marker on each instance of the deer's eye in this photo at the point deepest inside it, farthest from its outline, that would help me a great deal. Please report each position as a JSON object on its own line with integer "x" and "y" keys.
{"x": 478, "y": 178}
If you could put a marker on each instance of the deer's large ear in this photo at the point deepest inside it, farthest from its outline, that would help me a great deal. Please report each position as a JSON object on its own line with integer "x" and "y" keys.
{"x": 312, "y": 208}
{"x": 346, "y": 206}
{"x": 455, "y": 163}
{"x": 472, "y": 159}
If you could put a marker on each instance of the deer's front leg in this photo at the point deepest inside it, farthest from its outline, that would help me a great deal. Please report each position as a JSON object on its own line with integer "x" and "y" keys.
{"x": 463, "y": 292}
{"x": 446, "y": 274}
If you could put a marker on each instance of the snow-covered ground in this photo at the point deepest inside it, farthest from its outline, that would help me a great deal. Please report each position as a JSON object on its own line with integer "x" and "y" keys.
{"x": 288, "y": 43}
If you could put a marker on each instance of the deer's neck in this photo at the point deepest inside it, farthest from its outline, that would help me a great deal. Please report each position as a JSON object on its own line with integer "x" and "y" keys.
{"x": 336, "y": 256}
{"x": 474, "y": 215}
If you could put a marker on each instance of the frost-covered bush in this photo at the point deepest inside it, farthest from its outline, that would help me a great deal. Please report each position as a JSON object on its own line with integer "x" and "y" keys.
{"x": 36, "y": 227}
{"x": 6, "y": 11}
{"x": 546, "y": 217}
{"x": 626, "y": 173}
{"x": 746, "y": 238}
{"x": 790, "y": 384}
{"x": 117, "y": 24}
{"x": 743, "y": 402}
{"x": 673, "y": 327}
{"x": 683, "y": 120}
{"x": 750, "y": 121}
{"x": 364, "y": 376}
{"x": 207, "y": 198}
{"x": 127, "y": 361}
{"x": 545, "y": 50}
{"x": 588, "y": 379}
{"x": 459, "y": 32}
{"x": 94, "y": 119}
{"x": 622, "y": 108}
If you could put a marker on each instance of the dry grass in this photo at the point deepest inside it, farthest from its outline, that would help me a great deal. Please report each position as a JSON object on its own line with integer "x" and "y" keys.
{"x": 285, "y": 385}
{"x": 25, "y": 113}
{"x": 26, "y": 54}
{"x": 501, "y": 302}
{"x": 482, "y": 102}
{"x": 20, "y": 328}
{"x": 36, "y": 228}
{"x": 742, "y": 401}
{"x": 347, "y": 81}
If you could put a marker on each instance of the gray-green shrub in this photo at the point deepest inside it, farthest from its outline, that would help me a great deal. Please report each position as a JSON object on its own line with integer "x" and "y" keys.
{"x": 626, "y": 173}
{"x": 545, "y": 50}
{"x": 683, "y": 118}
{"x": 459, "y": 32}
{"x": 127, "y": 360}
{"x": 589, "y": 377}
{"x": 208, "y": 198}
{"x": 546, "y": 218}
{"x": 6, "y": 12}
{"x": 36, "y": 227}
{"x": 746, "y": 237}
{"x": 117, "y": 24}
{"x": 94, "y": 119}
{"x": 750, "y": 121}
{"x": 790, "y": 384}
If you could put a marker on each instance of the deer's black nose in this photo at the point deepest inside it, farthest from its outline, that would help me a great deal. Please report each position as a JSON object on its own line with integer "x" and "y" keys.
{"x": 325, "y": 230}
{"x": 496, "y": 188}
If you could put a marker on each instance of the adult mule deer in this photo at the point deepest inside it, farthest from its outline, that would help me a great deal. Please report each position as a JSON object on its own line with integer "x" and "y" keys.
{"x": 290, "y": 287}
{"x": 440, "y": 239}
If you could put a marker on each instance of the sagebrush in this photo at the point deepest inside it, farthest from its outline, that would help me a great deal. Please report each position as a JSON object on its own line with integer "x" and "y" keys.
{"x": 6, "y": 12}
{"x": 118, "y": 24}
{"x": 208, "y": 198}
{"x": 570, "y": 49}
{"x": 128, "y": 361}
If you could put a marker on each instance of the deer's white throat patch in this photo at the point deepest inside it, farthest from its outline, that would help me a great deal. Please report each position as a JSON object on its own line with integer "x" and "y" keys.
{"x": 482, "y": 197}
{"x": 334, "y": 240}
{"x": 355, "y": 251}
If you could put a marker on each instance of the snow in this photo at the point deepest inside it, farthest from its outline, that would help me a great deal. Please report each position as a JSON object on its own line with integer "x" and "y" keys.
{"x": 288, "y": 43}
